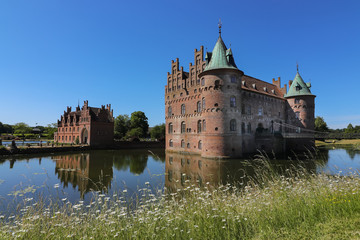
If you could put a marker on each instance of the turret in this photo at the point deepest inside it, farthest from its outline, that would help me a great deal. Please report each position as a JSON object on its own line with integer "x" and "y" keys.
{"x": 301, "y": 102}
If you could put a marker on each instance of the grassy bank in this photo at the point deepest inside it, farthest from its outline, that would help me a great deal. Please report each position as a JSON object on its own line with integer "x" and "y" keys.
{"x": 298, "y": 206}
{"x": 331, "y": 142}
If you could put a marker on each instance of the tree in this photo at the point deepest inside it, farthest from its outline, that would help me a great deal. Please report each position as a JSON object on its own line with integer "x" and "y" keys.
{"x": 158, "y": 131}
{"x": 1, "y": 128}
{"x": 349, "y": 129}
{"x": 122, "y": 126}
{"x": 135, "y": 132}
{"x": 50, "y": 129}
{"x": 140, "y": 121}
{"x": 320, "y": 125}
{"x": 8, "y": 128}
{"x": 22, "y": 128}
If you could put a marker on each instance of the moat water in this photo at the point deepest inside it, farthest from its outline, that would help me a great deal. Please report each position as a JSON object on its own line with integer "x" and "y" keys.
{"x": 78, "y": 176}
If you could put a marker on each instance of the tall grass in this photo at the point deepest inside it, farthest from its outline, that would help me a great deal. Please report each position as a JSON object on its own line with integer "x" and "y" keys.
{"x": 293, "y": 205}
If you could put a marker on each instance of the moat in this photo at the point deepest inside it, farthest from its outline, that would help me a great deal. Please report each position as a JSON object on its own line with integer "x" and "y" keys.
{"x": 75, "y": 176}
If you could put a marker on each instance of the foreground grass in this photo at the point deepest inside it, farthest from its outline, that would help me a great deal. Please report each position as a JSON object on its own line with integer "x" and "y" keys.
{"x": 299, "y": 206}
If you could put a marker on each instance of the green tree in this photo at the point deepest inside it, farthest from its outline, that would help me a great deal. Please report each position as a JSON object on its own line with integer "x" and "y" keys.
{"x": 22, "y": 128}
{"x": 349, "y": 129}
{"x": 158, "y": 131}
{"x": 1, "y": 128}
{"x": 121, "y": 126}
{"x": 8, "y": 128}
{"x": 320, "y": 125}
{"x": 50, "y": 129}
{"x": 139, "y": 120}
{"x": 135, "y": 132}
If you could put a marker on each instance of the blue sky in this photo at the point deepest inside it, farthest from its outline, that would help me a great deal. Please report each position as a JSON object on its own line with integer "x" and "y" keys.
{"x": 56, "y": 53}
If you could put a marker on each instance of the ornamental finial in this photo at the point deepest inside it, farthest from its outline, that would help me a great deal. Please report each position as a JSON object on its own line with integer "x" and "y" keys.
{"x": 220, "y": 25}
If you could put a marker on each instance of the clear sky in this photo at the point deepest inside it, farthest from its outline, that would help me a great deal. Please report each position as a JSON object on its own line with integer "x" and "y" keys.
{"x": 56, "y": 53}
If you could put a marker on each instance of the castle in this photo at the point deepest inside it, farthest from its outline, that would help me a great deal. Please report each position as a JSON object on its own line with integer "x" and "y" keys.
{"x": 90, "y": 125}
{"x": 214, "y": 110}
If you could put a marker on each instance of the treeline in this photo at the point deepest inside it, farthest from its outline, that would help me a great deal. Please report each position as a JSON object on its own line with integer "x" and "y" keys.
{"x": 350, "y": 132}
{"x": 23, "y": 130}
{"x": 136, "y": 126}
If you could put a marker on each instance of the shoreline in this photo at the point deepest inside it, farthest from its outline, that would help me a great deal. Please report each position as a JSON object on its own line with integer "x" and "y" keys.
{"x": 67, "y": 148}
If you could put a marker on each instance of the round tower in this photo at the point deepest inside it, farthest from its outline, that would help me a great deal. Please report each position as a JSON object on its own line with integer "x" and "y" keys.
{"x": 221, "y": 91}
{"x": 301, "y": 103}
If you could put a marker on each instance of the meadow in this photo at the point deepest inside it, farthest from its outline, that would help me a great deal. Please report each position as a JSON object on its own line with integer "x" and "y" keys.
{"x": 293, "y": 205}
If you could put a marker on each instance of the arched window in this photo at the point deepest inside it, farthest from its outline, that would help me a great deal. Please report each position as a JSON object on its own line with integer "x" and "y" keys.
{"x": 243, "y": 127}
{"x": 198, "y": 106}
{"x": 183, "y": 143}
{"x": 188, "y": 145}
{"x": 169, "y": 111}
{"x": 202, "y": 81}
{"x": 183, "y": 127}
{"x": 170, "y": 128}
{"x": 232, "y": 125}
{"x": 200, "y": 144}
{"x": 217, "y": 83}
{"x": 204, "y": 125}
{"x": 260, "y": 113}
{"x": 249, "y": 127}
{"x": 199, "y": 126}
{"x": 170, "y": 143}
{"x": 232, "y": 101}
{"x": 203, "y": 103}
{"x": 182, "y": 108}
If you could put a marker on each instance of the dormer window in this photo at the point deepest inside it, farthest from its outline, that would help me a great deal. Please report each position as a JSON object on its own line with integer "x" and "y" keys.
{"x": 298, "y": 88}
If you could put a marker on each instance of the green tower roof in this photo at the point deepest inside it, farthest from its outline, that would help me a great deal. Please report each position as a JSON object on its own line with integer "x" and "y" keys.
{"x": 299, "y": 87}
{"x": 220, "y": 57}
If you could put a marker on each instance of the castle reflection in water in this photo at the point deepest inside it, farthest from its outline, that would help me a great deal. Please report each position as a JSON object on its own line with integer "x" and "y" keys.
{"x": 95, "y": 170}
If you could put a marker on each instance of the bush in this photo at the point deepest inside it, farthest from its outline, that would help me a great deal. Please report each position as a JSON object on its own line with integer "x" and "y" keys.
{"x": 30, "y": 136}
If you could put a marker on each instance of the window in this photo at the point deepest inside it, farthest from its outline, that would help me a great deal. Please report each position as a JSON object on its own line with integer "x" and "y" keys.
{"x": 243, "y": 108}
{"x": 217, "y": 83}
{"x": 65, "y": 138}
{"x": 183, "y": 127}
{"x": 297, "y": 101}
{"x": 248, "y": 110}
{"x": 298, "y": 88}
{"x": 198, "y": 81}
{"x": 170, "y": 128}
{"x": 232, "y": 101}
{"x": 249, "y": 128}
{"x": 233, "y": 79}
{"x": 203, "y": 103}
{"x": 203, "y": 82}
{"x": 199, "y": 126}
{"x": 188, "y": 145}
{"x": 183, "y": 143}
{"x": 297, "y": 114}
{"x": 200, "y": 144}
{"x": 232, "y": 125}
{"x": 170, "y": 143}
{"x": 260, "y": 111}
{"x": 182, "y": 108}
{"x": 242, "y": 127}
{"x": 198, "y": 106}
{"x": 169, "y": 111}
{"x": 204, "y": 125}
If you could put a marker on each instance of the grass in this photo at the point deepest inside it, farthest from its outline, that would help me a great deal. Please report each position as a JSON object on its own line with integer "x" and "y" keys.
{"x": 330, "y": 142}
{"x": 271, "y": 206}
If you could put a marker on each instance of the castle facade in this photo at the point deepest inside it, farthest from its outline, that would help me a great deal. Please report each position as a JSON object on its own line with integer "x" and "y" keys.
{"x": 215, "y": 110}
{"x": 90, "y": 125}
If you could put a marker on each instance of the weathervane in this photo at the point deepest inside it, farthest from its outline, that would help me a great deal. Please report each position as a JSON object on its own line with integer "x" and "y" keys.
{"x": 297, "y": 66}
{"x": 220, "y": 25}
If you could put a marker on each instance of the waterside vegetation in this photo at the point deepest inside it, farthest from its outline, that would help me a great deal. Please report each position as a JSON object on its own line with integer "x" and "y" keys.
{"x": 292, "y": 205}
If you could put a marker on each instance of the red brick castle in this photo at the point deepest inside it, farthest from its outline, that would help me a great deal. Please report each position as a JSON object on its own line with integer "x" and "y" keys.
{"x": 216, "y": 111}
{"x": 90, "y": 125}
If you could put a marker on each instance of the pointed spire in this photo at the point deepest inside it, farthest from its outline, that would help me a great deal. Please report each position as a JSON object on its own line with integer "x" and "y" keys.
{"x": 298, "y": 87}
{"x": 220, "y": 25}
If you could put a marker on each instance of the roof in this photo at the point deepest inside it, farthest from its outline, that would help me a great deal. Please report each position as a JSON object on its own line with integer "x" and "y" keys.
{"x": 299, "y": 88}
{"x": 220, "y": 57}
{"x": 256, "y": 85}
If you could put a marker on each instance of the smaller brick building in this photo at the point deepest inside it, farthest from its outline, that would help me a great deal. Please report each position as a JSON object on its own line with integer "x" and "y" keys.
{"x": 92, "y": 126}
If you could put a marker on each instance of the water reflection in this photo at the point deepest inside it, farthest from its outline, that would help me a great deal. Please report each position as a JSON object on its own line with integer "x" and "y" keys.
{"x": 85, "y": 171}
{"x": 94, "y": 170}
{"x": 182, "y": 170}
